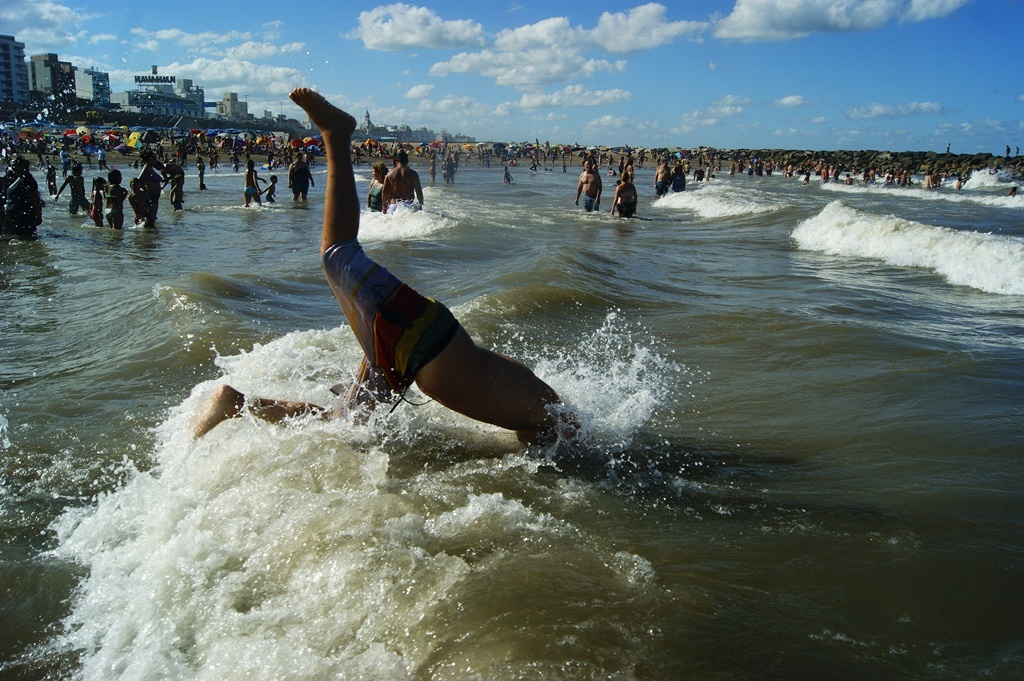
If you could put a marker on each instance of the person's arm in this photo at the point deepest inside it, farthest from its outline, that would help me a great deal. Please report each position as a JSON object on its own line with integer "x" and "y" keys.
{"x": 579, "y": 190}
{"x": 597, "y": 199}
{"x": 419, "y": 190}
{"x": 386, "y": 192}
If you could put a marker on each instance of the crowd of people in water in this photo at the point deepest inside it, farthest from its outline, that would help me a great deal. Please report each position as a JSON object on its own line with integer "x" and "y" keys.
{"x": 161, "y": 162}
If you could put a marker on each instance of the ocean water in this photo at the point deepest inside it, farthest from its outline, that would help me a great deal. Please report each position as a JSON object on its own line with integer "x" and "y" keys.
{"x": 802, "y": 417}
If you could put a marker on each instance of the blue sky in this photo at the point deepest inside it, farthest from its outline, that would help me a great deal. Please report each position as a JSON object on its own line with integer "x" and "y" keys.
{"x": 800, "y": 74}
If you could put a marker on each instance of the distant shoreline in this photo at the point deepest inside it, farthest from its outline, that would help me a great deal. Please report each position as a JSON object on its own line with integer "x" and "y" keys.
{"x": 916, "y": 162}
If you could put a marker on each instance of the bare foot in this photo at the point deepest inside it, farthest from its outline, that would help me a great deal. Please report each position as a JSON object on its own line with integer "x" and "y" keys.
{"x": 225, "y": 403}
{"x": 328, "y": 118}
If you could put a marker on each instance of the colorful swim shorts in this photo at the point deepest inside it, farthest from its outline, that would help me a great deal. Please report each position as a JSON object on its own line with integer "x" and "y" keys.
{"x": 399, "y": 330}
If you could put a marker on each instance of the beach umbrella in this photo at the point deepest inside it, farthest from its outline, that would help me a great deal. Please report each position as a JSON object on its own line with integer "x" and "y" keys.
{"x": 82, "y": 130}
{"x": 296, "y": 143}
{"x": 123, "y": 148}
{"x": 151, "y": 137}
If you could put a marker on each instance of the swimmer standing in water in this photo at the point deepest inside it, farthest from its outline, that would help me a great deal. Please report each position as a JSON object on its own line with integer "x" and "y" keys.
{"x": 402, "y": 184}
{"x": 406, "y": 337}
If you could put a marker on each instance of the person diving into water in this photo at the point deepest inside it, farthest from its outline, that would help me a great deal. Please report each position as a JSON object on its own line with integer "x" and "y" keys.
{"x": 406, "y": 338}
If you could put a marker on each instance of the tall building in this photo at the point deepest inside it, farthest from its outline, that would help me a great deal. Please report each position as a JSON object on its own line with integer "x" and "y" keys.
{"x": 194, "y": 93}
{"x": 92, "y": 85}
{"x": 14, "y": 86}
{"x": 50, "y": 76}
{"x": 230, "y": 108}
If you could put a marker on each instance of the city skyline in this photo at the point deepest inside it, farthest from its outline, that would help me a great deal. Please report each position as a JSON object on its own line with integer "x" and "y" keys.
{"x": 802, "y": 74}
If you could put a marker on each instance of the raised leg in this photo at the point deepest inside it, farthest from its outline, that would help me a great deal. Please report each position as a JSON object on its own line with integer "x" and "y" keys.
{"x": 341, "y": 203}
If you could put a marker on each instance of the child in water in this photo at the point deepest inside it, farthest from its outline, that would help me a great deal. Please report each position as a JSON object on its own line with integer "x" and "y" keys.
{"x": 271, "y": 190}
{"x": 115, "y": 200}
{"x": 96, "y": 202}
{"x": 138, "y": 200}
{"x": 77, "y": 184}
{"x": 51, "y": 179}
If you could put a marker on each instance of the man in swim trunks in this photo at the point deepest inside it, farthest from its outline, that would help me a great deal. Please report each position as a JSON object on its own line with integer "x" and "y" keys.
{"x": 625, "y": 196}
{"x": 405, "y": 337}
{"x": 402, "y": 184}
{"x": 663, "y": 179}
{"x": 590, "y": 186}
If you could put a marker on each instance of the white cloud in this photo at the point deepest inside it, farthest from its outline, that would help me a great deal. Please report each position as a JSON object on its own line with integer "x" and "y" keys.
{"x": 548, "y": 33}
{"x": 43, "y": 26}
{"x": 419, "y": 91}
{"x": 400, "y": 26}
{"x": 573, "y": 95}
{"x": 185, "y": 39}
{"x": 525, "y": 70}
{"x": 640, "y": 28}
{"x": 554, "y": 51}
{"x": 752, "y": 20}
{"x": 236, "y": 75}
{"x": 876, "y": 110}
{"x": 729, "y": 106}
{"x": 1020, "y": 98}
{"x": 252, "y": 50}
{"x": 819, "y": 120}
{"x": 101, "y": 37}
{"x": 791, "y": 101}
{"x": 606, "y": 123}
{"x": 921, "y": 10}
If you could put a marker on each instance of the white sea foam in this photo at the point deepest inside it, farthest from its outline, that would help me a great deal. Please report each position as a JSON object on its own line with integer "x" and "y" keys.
{"x": 984, "y": 179}
{"x": 718, "y": 200}
{"x": 987, "y": 262}
{"x": 267, "y": 551}
{"x": 948, "y": 192}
